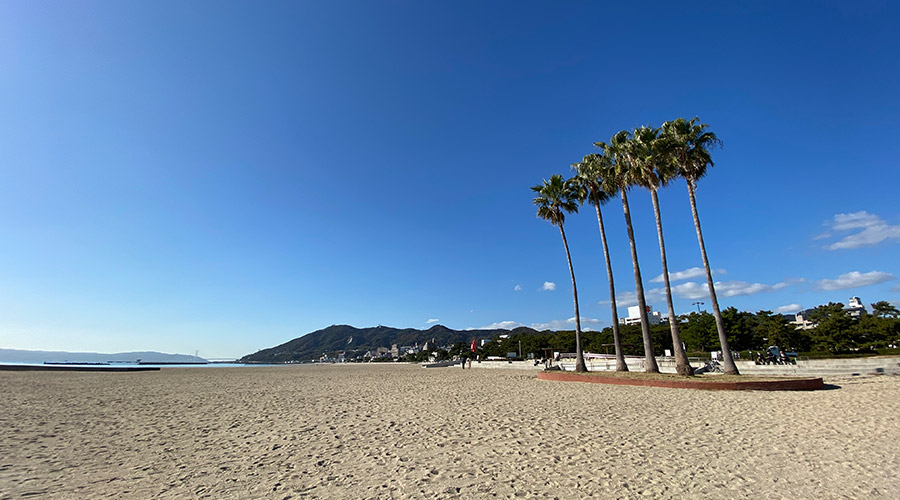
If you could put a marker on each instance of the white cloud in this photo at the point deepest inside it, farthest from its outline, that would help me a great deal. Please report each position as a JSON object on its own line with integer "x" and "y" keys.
{"x": 855, "y": 279}
{"x": 556, "y": 324}
{"x": 693, "y": 290}
{"x": 651, "y": 295}
{"x": 789, "y": 308}
{"x": 432, "y": 320}
{"x": 623, "y": 299}
{"x": 694, "y": 272}
{"x": 895, "y": 288}
{"x": 855, "y": 220}
{"x": 549, "y": 286}
{"x": 499, "y": 325}
{"x": 871, "y": 230}
{"x": 736, "y": 288}
{"x": 517, "y": 288}
{"x": 568, "y": 324}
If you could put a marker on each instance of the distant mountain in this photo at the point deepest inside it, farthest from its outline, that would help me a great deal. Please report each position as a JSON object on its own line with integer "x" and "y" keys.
{"x": 22, "y": 356}
{"x": 345, "y": 338}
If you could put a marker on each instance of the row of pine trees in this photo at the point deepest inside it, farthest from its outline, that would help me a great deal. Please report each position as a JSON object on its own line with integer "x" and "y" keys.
{"x": 650, "y": 158}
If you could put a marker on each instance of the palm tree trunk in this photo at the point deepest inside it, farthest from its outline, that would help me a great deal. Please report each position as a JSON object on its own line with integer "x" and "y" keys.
{"x": 579, "y": 355}
{"x": 621, "y": 366}
{"x": 728, "y": 362}
{"x": 682, "y": 366}
{"x": 649, "y": 358}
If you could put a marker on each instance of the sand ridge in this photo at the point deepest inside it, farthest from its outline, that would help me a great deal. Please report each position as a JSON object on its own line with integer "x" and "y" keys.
{"x": 400, "y": 431}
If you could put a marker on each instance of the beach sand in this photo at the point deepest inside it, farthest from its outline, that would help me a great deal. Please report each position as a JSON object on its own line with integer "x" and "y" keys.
{"x": 400, "y": 431}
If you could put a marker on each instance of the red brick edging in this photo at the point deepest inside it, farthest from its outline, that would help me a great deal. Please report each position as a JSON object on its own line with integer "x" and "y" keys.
{"x": 802, "y": 384}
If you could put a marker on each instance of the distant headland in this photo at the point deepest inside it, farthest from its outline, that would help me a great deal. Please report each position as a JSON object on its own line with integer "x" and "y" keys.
{"x": 25, "y": 356}
{"x": 349, "y": 342}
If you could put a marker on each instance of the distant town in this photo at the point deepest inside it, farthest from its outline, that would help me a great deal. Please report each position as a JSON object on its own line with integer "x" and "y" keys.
{"x": 825, "y": 330}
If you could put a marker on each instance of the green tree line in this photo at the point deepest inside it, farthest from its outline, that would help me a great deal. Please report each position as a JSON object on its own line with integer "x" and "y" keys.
{"x": 836, "y": 332}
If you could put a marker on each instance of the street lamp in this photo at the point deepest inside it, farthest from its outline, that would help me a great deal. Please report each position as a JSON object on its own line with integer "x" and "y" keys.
{"x": 698, "y": 304}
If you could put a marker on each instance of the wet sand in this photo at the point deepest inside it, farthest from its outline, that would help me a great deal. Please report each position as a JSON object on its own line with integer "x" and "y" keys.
{"x": 389, "y": 431}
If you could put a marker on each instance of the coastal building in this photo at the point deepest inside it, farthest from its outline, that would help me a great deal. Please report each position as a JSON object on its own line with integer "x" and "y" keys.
{"x": 801, "y": 320}
{"x": 634, "y": 316}
{"x": 855, "y": 308}
{"x": 395, "y": 351}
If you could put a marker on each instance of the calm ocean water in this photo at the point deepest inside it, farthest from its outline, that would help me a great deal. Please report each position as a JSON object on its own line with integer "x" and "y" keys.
{"x": 129, "y": 365}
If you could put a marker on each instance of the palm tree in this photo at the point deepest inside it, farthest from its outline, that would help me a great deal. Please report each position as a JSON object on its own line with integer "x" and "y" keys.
{"x": 593, "y": 179}
{"x": 691, "y": 142}
{"x": 621, "y": 178}
{"x": 653, "y": 169}
{"x": 554, "y": 198}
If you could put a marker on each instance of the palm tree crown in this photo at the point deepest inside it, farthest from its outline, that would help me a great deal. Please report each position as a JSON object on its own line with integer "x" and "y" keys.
{"x": 554, "y": 198}
{"x": 689, "y": 143}
{"x": 650, "y": 154}
{"x": 594, "y": 179}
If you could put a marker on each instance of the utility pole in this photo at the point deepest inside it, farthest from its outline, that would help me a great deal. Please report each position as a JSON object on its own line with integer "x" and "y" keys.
{"x": 698, "y": 304}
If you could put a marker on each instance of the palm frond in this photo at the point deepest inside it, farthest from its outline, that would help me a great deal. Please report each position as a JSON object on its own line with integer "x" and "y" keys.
{"x": 690, "y": 143}
{"x": 593, "y": 178}
{"x": 555, "y": 198}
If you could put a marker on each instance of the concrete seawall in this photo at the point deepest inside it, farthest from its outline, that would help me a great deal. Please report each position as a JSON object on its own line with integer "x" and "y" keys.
{"x": 834, "y": 367}
{"x": 666, "y": 365}
{"x": 813, "y": 367}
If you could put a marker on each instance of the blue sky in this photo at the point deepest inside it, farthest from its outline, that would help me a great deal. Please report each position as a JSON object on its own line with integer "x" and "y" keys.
{"x": 224, "y": 177}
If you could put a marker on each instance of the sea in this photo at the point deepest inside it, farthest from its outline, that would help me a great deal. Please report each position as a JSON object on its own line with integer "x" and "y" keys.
{"x": 102, "y": 366}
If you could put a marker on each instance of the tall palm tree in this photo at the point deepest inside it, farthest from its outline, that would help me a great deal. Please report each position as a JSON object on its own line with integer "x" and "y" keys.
{"x": 653, "y": 169}
{"x": 554, "y": 198}
{"x": 691, "y": 142}
{"x": 593, "y": 179}
{"x": 617, "y": 151}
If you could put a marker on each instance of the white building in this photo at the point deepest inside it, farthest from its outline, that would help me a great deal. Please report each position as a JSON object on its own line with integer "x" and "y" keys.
{"x": 855, "y": 308}
{"x": 802, "y": 322}
{"x": 634, "y": 316}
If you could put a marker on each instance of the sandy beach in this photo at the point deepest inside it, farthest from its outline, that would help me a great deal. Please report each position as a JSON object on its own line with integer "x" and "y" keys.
{"x": 389, "y": 431}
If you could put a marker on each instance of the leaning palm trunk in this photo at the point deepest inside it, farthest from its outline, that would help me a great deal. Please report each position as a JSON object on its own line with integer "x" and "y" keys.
{"x": 621, "y": 366}
{"x": 728, "y": 360}
{"x": 649, "y": 358}
{"x": 579, "y": 354}
{"x": 682, "y": 366}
